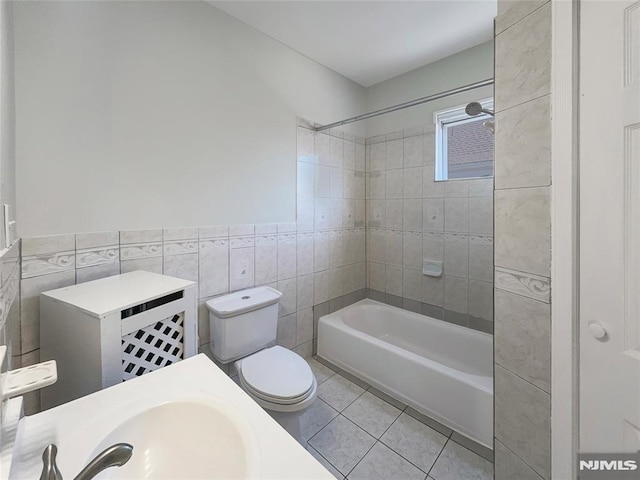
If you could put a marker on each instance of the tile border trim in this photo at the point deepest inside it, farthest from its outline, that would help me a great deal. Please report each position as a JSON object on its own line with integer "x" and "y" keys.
{"x": 36, "y": 265}
{"x": 526, "y": 284}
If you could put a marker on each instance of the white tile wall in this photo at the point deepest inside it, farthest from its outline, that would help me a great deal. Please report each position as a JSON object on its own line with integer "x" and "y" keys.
{"x": 411, "y": 217}
{"x": 10, "y": 334}
{"x": 522, "y": 240}
{"x": 320, "y": 257}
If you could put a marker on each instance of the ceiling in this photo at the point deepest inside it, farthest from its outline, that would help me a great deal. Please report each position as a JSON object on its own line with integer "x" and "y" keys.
{"x": 370, "y": 41}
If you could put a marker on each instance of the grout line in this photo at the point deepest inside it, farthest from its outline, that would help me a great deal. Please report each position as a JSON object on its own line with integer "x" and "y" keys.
{"x": 406, "y": 459}
{"x": 521, "y": 19}
{"x": 438, "y": 457}
{"x": 357, "y": 426}
{"x": 522, "y": 296}
{"x": 521, "y": 378}
{"x": 340, "y": 414}
{"x": 328, "y": 423}
{"x": 354, "y": 400}
{"x": 464, "y": 446}
{"x": 527, "y": 187}
{"x": 318, "y": 452}
{"x": 520, "y": 458}
{"x": 398, "y": 453}
{"x": 367, "y": 452}
{"x": 379, "y": 440}
{"x": 25, "y": 353}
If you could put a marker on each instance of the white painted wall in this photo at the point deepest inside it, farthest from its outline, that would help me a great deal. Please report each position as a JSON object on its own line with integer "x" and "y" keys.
{"x": 7, "y": 114}
{"x": 466, "y": 67}
{"x": 159, "y": 114}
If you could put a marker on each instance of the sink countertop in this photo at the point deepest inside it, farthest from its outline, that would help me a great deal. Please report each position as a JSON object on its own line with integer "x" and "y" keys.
{"x": 78, "y": 427}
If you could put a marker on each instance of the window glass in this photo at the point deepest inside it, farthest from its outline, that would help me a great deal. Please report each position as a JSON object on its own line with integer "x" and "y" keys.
{"x": 469, "y": 149}
{"x": 464, "y": 144}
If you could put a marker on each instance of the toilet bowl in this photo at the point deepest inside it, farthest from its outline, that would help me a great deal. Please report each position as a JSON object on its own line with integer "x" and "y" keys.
{"x": 281, "y": 382}
{"x": 243, "y": 326}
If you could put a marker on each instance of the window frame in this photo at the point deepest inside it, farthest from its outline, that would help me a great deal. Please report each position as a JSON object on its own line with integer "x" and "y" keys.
{"x": 457, "y": 115}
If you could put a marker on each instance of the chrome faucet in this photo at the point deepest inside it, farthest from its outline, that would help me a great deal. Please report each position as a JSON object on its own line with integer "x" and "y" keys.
{"x": 114, "y": 456}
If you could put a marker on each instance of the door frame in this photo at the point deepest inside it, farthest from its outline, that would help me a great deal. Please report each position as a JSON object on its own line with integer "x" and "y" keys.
{"x": 564, "y": 238}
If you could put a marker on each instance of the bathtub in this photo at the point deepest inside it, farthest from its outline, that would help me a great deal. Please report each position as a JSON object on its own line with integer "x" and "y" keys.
{"x": 442, "y": 370}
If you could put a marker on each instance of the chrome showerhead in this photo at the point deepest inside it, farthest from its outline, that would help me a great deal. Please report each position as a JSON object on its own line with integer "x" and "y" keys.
{"x": 474, "y": 108}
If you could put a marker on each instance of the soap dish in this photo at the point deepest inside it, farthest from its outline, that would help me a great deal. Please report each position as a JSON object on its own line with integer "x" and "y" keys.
{"x": 24, "y": 380}
{"x": 432, "y": 268}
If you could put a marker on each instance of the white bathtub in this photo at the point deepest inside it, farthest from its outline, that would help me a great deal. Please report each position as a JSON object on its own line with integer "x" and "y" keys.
{"x": 440, "y": 369}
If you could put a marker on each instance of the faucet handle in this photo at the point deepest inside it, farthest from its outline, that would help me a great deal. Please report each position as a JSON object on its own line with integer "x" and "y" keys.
{"x": 49, "y": 468}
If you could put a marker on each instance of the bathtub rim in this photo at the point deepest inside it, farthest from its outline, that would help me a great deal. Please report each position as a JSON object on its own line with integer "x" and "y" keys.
{"x": 370, "y": 301}
{"x": 484, "y": 382}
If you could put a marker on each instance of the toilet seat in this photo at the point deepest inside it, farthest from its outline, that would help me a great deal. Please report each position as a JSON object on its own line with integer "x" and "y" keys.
{"x": 277, "y": 378}
{"x": 280, "y": 401}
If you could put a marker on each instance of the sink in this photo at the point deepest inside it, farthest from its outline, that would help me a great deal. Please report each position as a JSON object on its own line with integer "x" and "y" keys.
{"x": 185, "y": 421}
{"x": 208, "y": 440}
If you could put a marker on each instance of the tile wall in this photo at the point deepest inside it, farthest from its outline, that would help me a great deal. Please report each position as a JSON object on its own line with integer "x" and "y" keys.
{"x": 411, "y": 217}
{"x": 10, "y": 308}
{"x": 317, "y": 263}
{"x": 522, "y": 240}
{"x": 10, "y": 304}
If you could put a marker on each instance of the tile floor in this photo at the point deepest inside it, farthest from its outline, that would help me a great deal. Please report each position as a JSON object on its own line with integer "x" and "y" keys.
{"x": 358, "y": 433}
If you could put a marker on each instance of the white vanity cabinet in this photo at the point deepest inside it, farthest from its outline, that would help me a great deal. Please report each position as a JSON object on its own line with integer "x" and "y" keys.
{"x": 111, "y": 330}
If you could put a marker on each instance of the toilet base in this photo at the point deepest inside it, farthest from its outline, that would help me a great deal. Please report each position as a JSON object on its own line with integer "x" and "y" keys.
{"x": 290, "y": 421}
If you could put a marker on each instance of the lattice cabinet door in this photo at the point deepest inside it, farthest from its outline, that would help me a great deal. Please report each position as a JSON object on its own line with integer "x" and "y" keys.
{"x": 153, "y": 347}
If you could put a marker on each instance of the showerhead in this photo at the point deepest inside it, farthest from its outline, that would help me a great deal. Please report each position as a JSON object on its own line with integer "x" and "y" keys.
{"x": 474, "y": 108}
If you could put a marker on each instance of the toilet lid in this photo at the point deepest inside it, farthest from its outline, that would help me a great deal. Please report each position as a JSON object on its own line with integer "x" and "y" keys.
{"x": 277, "y": 373}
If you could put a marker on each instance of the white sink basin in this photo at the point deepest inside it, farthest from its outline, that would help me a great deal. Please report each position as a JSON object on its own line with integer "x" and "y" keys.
{"x": 175, "y": 441}
{"x": 185, "y": 421}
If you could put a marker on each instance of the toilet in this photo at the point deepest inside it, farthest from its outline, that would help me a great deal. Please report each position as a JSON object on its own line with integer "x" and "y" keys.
{"x": 244, "y": 328}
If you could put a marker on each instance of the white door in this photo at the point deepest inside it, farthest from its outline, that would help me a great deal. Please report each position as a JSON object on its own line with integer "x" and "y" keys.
{"x": 609, "y": 226}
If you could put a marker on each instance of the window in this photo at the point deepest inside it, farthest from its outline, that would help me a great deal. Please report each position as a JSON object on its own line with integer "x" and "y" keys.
{"x": 464, "y": 144}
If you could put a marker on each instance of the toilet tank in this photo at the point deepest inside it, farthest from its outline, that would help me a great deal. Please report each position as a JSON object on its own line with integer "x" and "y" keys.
{"x": 243, "y": 322}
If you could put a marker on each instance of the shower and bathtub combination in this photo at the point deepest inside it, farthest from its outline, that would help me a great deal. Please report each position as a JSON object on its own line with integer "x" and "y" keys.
{"x": 442, "y": 370}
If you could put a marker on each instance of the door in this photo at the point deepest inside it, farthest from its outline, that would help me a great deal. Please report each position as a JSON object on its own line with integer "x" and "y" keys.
{"x": 609, "y": 226}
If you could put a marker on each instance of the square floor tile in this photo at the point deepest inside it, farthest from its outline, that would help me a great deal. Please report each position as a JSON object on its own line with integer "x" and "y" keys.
{"x": 315, "y": 418}
{"x": 416, "y": 442}
{"x": 323, "y": 461}
{"x": 339, "y": 392}
{"x": 382, "y": 463}
{"x": 372, "y": 413}
{"x": 342, "y": 443}
{"x": 322, "y": 372}
{"x": 459, "y": 463}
